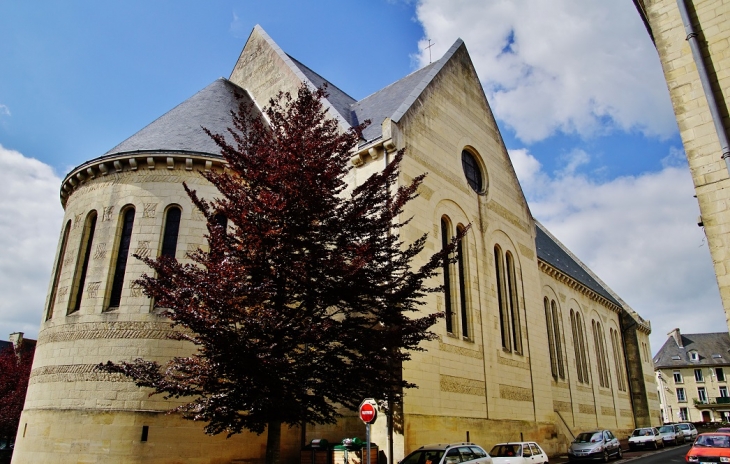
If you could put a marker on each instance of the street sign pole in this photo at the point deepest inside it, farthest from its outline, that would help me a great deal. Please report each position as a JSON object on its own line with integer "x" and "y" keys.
{"x": 368, "y": 414}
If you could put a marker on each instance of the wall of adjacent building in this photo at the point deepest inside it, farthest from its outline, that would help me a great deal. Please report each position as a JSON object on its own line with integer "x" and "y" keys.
{"x": 711, "y": 19}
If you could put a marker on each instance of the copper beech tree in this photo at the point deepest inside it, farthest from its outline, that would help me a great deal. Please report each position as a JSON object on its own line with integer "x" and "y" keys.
{"x": 307, "y": 298}
{"x": 14, "y": 375}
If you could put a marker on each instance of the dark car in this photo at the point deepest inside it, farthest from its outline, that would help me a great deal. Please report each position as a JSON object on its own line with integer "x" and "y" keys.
{"x": 594, "y": 445}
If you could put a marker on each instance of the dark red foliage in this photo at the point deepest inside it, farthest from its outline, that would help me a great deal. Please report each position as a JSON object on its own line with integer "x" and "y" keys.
{"x": 308, "y": 300}
{"x": 14, "y": 375}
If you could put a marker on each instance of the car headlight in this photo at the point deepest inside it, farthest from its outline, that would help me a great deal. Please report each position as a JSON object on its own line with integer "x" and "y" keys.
{"x": 692, "y": 459}
{"x": 724, "y": 459}
{"x": 597, "y": 449}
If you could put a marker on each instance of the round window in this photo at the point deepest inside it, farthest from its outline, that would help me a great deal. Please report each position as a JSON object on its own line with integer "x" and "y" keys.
{"x": 472, "y": 171}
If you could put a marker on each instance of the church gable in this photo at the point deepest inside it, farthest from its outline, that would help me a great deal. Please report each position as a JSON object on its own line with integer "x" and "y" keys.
{"x": 264, "y": 70}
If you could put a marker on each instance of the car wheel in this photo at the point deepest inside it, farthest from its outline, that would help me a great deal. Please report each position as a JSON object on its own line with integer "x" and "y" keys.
{"x": 605, "y": 456}
{"x": 656, "y": 446}
{"x": 619, "y": 453}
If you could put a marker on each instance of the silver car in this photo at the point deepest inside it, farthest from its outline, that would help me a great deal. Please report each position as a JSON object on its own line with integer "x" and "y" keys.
{"x": 594, "y": 445}
{"x": 671, "y": 434}
{"x": 689, "y": 430}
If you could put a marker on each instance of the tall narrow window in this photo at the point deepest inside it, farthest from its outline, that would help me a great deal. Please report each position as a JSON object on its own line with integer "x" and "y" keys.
{"x": 580, "y": 323}
{"x": 501, "y": 301}
{"x": 514, "y": 307}
{"x": 120, "y": 264}
{"x": 551, "y": 338}
{"x": 597, "y": 349}
{"x": 82, "y": 263}
{"x": 461, "y": 262}
{"x": 57, "y": 272}
{"x": 172, "y": 228}
{"x": 446, "y": 267}
{"x": 620, "y": 378}
{"x": 558, "y": 339}
{"x": 576, "y": 346}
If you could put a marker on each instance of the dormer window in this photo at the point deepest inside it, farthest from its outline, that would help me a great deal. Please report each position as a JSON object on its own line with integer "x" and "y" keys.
{"x": 694, "y": 356}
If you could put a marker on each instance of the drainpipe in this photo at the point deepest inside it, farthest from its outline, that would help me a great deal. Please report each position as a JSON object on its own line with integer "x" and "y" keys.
{"x": 704, "y": 78}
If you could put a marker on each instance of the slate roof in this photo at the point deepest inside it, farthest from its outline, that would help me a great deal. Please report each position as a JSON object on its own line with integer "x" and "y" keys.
{"x": 390, "y": 102}
{"x": 4, "y": 344}
{"x": 554, "y": 253}
{"x": 706, "y": 345}
{"x": 180, "y": 129}
{"x": 339, "y": 99}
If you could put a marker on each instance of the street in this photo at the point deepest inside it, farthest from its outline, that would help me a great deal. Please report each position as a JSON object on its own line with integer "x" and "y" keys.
{"x": 670, "y": 454}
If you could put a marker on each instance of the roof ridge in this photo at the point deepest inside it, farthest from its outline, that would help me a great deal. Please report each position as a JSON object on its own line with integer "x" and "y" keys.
{"x": 421, "y": 86}
{"x": 329, "y": 83}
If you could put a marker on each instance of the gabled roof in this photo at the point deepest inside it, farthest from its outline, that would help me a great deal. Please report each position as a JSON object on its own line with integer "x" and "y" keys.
{"x": 339, "y": 100}
{"x": 554, "y": 253}
{"x": 712, "y": 349}
{"x": 394, "y": 100}
{"x": 180, "y": 129}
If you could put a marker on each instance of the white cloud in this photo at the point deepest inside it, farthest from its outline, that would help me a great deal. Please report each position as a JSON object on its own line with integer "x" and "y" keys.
{"x": 4, "y": 110}
{"x": 638, "y": 234}
{"x": 30, "y": 221}
{"x": 574, "y": 66}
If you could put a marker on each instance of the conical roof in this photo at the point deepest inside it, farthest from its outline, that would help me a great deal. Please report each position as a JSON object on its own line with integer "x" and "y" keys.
{"x": 181, "y": 129}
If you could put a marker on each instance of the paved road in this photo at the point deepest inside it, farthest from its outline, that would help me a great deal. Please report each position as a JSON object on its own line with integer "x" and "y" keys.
{"x": 670, "y": 454}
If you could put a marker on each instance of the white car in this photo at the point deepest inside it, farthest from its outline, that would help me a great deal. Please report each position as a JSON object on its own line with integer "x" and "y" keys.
{"x": 689, "y": 430}
{"x": 646, "y": 437}
{"x": 671, "y": 434}
{"x": 518, "y": 452}
{"x": 448, "y": 453}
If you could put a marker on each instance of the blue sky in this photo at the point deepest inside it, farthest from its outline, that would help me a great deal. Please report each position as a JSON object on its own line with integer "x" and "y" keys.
{"x": 575, "y": 85}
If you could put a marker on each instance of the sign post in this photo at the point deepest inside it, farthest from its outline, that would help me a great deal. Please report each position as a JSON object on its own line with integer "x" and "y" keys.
{"x": 368, "y": 414}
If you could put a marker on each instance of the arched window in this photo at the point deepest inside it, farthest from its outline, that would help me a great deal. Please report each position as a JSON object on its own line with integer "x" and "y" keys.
{"x": 551, "y": 338}
{"x": 580, "y": 323}
{"x": 603, "y": 360}
{"x": 558, "y": 339}
{"x": 461, "y": 266}
{"x": 501, "y": 299}
{"x": 446, "y": 268}
{"x": 120, "y": 263}
{"x": 514, "y": 306}
{"x": 170, "y": 233}
{"x": 600, "y": 354}
{"x": 621, "y": 380}
{"x": 57, "y": 272}
{"x": 576, "y": 346}
{"x": 472, "y": 171}
{"x": 82, "y": 263}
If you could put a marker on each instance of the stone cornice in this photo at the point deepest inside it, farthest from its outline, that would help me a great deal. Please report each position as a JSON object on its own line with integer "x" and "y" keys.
{"x": 134, "y": 161}
{"x": 575, "y": 285}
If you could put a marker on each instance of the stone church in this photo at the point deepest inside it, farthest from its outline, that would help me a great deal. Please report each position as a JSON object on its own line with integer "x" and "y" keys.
{"x": 534, "y": 344}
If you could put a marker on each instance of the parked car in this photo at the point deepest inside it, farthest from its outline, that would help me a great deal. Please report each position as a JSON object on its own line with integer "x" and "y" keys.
{"x": 448, "y": 453}
{"x": 723, "y": 430}
{"x": 710, "y": 447}
{"x": 520, "y": 452}
{"x": 594, "y": 445}
{"x": 646, "y": 437}
{"x": 671, "y": 434}
{"x": 689, "y": 430}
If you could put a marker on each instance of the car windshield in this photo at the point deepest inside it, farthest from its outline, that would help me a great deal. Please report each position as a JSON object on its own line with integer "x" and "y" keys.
{"x": 506, "y": 451}
{"x": 423, "y": 457}
{"x": 642, "y": 433}
{"x": 666, "y": 429}
{"x": 589, "y": 437}
{"x": 683, "y": 426}
{"x": 713, "y": 441}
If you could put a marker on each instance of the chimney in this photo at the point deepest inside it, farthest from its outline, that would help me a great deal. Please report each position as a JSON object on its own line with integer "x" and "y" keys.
{"x": 677, "y": 337}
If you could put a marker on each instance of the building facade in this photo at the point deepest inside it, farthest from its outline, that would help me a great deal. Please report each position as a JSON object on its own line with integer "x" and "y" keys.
{"x": 692, "y": 378}
{"x": 534, "y": 345}
{"x": 692, "y": 38}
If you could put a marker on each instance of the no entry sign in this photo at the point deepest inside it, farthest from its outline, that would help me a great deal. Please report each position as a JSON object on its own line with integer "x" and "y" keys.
{"x": 368, "y": 413}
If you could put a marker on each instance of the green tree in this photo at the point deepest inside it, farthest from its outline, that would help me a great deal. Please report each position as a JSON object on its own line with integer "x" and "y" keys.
{"x": 306, "y": 299}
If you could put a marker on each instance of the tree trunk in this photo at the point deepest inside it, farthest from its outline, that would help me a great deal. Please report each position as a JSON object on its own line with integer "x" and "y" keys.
{"x": 273, "y": 442}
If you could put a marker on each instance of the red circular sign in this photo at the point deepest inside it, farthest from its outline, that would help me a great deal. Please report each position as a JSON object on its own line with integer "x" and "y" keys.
{"x": 367, "y": 413}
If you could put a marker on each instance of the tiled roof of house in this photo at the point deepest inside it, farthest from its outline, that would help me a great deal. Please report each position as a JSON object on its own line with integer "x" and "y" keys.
{"x": 712, "y": 350}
